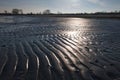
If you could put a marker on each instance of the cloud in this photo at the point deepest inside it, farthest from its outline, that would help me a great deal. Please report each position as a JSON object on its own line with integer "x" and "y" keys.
{"x": 94, "y": 1}
{"x": 99, "y": 2}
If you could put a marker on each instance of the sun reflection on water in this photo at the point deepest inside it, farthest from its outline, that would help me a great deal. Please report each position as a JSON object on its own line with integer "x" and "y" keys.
{"x": 79, "y": 21}
{"x": 72, "y": 32}
{"x": 76, "y": 27}
{"x": 76, "y": 30}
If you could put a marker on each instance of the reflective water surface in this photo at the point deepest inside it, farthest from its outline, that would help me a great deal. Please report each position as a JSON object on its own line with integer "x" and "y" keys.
{"x": 52, "y": 48}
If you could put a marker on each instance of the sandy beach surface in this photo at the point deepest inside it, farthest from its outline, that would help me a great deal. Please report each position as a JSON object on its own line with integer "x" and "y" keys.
{"x": 54, "y": 48}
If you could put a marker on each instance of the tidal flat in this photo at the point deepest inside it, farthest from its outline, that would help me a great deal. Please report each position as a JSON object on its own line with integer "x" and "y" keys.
{"x": 58, "y": 48}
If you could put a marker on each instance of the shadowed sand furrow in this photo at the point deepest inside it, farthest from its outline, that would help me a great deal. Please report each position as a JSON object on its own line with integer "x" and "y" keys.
{"x": 11, "y": 64}
{"x": 67, "y": 50}
{"x": 109, "y": 66}
{"x": 44, "y": 67}
{"x": 72, "y": 48}
{"x": 83, "y": 50}
{"x": 110, "y": 70}
{"x": 56, "y": 67}
{"x": 81, "y": 66}
{"x": 94, "y": 68}
{"x": 33, "y": 65}
{"x": 113, "y": 63}
{"x": 64, "y": 57}
{"x": 75, "y": 48}
{"x": 67, "y": 61}
{"x": 111, "y": 57}
{"x": 78, "y": 45}
{"x": 102, "y": 64}
{"x": 75, "y": 51}
{"x": 3, "y": 58}
{"x": 23, "y": 60}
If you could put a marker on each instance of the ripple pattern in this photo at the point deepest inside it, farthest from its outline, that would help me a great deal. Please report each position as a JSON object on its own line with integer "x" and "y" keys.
{"x": 52, "y": 51}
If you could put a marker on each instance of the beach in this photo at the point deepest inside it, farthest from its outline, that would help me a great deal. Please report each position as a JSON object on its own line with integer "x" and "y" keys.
{"x": 59, "y": 48}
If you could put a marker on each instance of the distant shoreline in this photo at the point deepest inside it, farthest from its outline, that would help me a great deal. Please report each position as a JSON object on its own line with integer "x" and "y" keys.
{"x": 69, "y": 15}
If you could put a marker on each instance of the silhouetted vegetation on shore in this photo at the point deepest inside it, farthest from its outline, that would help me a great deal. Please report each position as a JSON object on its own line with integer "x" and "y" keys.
{"x": 48, "y": 13}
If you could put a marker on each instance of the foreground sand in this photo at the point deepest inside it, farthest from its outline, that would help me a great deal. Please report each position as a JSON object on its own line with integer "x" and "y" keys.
{"x": 59, "y": 49}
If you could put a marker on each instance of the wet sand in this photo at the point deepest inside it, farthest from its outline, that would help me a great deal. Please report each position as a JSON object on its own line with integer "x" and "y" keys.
{"x": 52, "y": 48}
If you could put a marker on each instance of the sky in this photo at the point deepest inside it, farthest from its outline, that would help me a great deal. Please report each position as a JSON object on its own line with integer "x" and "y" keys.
{"x": 64, "y": 6}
